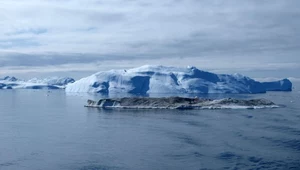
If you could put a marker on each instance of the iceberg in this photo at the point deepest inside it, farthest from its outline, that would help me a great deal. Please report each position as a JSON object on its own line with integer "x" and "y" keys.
{"x": 47, "y": 83}
{"x": 179, "y": 103}
{"x": 55, "y": 81}
{"x": 281, "y": 85}
{"x": 151, "y": 79}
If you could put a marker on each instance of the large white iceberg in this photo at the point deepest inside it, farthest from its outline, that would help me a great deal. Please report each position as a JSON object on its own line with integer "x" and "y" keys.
{"x": 161, "y": 79}
{"x": 47, "y": 83}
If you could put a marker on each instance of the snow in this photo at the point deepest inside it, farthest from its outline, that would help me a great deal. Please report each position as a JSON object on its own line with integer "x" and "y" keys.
{"x": 161, "y": 79}
{"x": 57, "y": 81}
{"x": 47, "y": 83}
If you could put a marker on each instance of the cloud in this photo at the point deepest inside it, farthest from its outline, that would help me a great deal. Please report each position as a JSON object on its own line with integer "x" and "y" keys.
{"x": 219, "y": 35}
{"x": 18, "y": 42}
{"x": 92, "y": 62}
{"x": 36, "y": 31}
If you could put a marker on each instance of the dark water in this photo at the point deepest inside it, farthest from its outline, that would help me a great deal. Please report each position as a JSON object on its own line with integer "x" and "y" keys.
{"x": 51, "y": 131}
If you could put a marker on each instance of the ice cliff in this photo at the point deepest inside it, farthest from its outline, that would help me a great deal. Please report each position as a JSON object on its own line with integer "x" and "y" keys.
{"x": 161, "y": 79}
{"x": 281, "y": 85}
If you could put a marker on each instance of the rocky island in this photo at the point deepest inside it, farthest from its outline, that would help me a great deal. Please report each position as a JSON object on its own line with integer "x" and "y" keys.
{"x": 179, "y": 103}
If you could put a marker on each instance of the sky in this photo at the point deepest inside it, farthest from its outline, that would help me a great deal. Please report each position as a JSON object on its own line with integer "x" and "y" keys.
{"x": 258, "y": 38}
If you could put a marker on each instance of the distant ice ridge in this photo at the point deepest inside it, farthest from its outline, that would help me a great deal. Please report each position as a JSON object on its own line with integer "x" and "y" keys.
{"x": 57, "y": 81}
{"x": 47, "y": 83}
{"x": 161, "y": 79}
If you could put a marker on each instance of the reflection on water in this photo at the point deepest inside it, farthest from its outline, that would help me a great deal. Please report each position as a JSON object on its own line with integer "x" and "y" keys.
{"x": 52, "y": 130}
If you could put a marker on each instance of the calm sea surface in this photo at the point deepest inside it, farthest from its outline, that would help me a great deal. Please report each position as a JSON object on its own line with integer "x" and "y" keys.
{"x": 41, "y": 130}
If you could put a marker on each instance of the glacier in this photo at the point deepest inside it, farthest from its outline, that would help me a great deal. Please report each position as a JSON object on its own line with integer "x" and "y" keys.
{"x": 35, "y": 83}
{"x": 150, "y": 79}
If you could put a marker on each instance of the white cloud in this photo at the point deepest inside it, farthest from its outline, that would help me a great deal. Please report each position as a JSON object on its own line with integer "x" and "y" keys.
{"x": 217, "y": 35}
{"x": 92, "y": 64}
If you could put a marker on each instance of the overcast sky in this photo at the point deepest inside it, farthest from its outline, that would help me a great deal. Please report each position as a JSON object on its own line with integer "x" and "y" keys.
{"x": 259, "y": 38}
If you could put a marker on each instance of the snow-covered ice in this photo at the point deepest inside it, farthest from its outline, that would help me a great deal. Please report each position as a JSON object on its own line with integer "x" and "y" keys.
{"x": 161, "y": 79}
{"x": 47, "y": 83}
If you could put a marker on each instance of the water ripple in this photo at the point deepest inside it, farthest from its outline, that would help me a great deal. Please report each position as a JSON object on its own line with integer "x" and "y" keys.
{"x": 292, "y": 144}
{"x": 284, "y": 129}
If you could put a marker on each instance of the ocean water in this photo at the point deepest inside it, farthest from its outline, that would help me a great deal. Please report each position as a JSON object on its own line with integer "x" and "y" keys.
{"x": 51, "y": 130}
